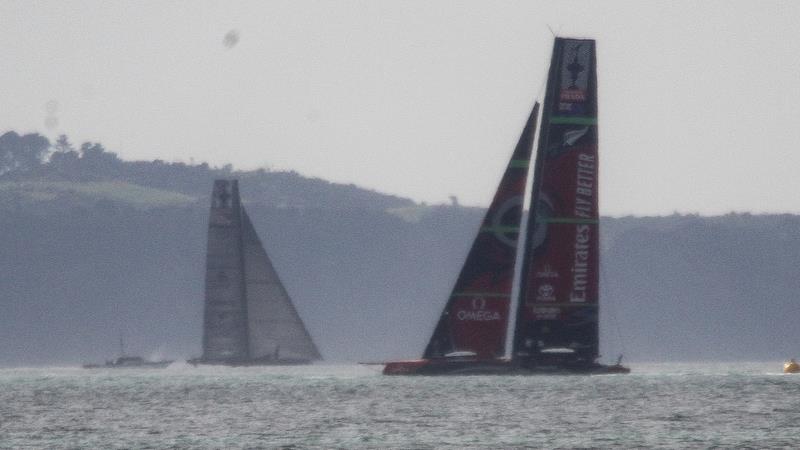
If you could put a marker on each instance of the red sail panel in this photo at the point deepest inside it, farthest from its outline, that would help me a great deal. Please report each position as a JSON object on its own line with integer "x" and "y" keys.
{"x": 560, "y": 279}
{"x": 476, "y": 315}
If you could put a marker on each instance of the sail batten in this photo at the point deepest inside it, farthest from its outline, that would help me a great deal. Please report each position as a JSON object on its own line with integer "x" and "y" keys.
{"x": 475, "y": 318}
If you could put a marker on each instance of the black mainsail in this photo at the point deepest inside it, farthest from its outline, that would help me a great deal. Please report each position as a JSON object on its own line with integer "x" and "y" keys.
{"x": 557, "y": 316}
{"x": 248, "y": 316}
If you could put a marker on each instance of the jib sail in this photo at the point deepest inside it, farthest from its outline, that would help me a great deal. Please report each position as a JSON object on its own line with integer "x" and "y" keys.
{"x": 558, "y": 304}
{"x": 476, "y": 315}
{"x": 275, "y": 330}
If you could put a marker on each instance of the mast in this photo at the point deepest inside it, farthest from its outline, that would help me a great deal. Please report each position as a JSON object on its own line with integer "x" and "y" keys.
{"x": 475, "y": 317}
{"x": 558, "y": 305}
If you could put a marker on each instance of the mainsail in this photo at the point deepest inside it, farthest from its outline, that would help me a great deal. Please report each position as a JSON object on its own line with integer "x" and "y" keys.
{"x": 248, "y": 318}
{"x": 225, "y": 315}
{"x": 475, "y": 319}
{"x": 558, "y": 306}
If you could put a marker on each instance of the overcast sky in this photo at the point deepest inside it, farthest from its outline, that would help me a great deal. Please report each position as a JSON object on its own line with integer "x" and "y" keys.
{"x": 699, "y": 101}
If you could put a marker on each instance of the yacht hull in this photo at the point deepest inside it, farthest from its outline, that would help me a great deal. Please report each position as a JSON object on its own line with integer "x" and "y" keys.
{"x": 250, "y": 362}
{"x": 433, "y": 367}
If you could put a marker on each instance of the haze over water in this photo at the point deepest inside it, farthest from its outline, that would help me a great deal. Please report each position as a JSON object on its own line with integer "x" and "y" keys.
{"x": 658, "y": 405}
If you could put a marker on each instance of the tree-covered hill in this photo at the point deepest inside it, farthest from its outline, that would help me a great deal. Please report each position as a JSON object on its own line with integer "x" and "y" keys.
{"x": 51, "y": 170}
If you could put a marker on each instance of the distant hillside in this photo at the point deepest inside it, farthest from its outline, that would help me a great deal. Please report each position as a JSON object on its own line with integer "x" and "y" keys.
{"x": 51, "y": 171}
{"x": 89, "y": 252}
{"x": 699, "y": 288}
{"x": 31, "y": 193}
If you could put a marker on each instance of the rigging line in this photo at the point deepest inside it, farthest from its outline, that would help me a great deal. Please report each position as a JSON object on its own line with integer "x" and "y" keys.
{"x": 513, "y": 304}
{"x": 514, "y": 301}
{"x": 610, "y": 306}
{"x": 546, "y": 65}
{"x": 542, "y": 88}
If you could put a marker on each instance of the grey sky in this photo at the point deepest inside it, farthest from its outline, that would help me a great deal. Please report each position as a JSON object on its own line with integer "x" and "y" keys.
{"x": 698, "y": 100}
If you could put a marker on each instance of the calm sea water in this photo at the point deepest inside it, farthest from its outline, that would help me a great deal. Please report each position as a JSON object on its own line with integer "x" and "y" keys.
{"x": 659, "y": 405}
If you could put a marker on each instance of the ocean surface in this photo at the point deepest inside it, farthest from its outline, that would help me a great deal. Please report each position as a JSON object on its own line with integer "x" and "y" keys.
{"x": 349, "y": 406}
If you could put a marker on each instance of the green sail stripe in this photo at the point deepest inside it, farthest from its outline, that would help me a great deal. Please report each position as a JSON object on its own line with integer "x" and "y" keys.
{"x": 564, "y": 304}
{"x": 481, "y": 294}
{"x": 499, "y": 229}
{"x": 560, "y": 120}
{"x": 568, "y": 220}
{"x": 519, "y": 164}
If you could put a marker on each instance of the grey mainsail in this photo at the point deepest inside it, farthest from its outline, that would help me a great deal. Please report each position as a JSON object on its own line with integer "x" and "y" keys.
{"x": 224, "y": 319}
{"x": 248, "y": 316}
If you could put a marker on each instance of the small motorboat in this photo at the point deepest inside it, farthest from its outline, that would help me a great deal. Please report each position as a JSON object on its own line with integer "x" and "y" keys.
{"x": 124, "y": 361}
{"x": 791, "y": 366}
{"x": 130, "y": 362}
